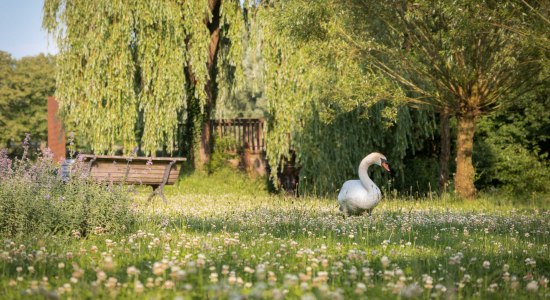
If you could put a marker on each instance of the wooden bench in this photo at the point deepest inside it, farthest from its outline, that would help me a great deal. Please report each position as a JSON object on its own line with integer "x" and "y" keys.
{"x": 155, "y": 172}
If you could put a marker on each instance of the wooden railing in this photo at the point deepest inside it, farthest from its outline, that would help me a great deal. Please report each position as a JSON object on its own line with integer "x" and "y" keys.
{"x": 243, "y": 134}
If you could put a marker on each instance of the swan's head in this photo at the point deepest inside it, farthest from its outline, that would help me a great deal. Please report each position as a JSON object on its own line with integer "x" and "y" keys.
{"x": 380, "y": 159}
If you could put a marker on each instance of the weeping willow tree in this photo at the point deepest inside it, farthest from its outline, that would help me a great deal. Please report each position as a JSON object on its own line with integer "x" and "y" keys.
{"x": 326, "y": 101}
{"x": 132, "y": 72}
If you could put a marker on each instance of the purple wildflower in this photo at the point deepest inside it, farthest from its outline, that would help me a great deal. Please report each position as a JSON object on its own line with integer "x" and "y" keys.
{"x": 26, "y": 143}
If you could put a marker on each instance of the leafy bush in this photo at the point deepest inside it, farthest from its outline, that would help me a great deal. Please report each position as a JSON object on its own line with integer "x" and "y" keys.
{"x": 514, "y": 169}
{"x": 521, "y": 171}
{"x": 222, "y": 153}
{"x": 36, "y": 198}
{"x": 511, "y": 150}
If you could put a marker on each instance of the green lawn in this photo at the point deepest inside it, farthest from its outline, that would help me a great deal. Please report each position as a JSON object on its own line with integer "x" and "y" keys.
{"x": 208, "y": 243}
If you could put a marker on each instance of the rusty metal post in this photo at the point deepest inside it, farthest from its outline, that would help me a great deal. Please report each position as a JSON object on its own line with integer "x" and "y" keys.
{"x": 56, "y": 136}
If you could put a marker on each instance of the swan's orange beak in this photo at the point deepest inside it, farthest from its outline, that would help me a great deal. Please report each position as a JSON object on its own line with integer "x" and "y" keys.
{"x": 386, "y": 166}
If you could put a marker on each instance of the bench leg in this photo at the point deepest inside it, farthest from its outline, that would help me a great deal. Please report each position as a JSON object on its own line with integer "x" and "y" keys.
{"x": 159, "y": 190}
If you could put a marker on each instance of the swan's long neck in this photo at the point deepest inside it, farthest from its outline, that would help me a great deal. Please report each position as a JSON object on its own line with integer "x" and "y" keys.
{"x": 363, "y": 173}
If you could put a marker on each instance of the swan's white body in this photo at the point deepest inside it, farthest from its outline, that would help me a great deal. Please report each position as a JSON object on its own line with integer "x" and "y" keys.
{"x": 359, "y": 196}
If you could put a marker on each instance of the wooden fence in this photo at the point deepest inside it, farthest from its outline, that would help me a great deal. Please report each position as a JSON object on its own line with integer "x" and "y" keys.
{"x": 241, "y": 134}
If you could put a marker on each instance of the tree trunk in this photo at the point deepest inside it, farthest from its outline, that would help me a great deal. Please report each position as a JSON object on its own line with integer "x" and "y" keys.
{"x": 464, "y": 178}
{"x": 445, "y": 151}
{"x": 206, "y": 143}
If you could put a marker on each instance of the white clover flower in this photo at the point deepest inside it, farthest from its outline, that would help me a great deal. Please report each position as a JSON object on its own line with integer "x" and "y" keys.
{"x": 225, "y": 270}
{"x": 361, "y": 288}
{"x": 132, "y": 271}
{"x": 440, "y": 288}
{"x": 492, "y": 287}
{"x": 67, "y": 287}
{"x": 111, "y": 283}
{"x": 532, "y": 287}
{"x": 101, "y": 276}
{"x": 271, "y": 277}
{"x": 214, "y": 277}
{"x": 78, "y": 272}
{"x": 108, "y": 263}
{"x": 428, "y": 281}
{"x": 150, "y": 283}
{"x": 410, "y": 291}
{"x": 530, "y": 262}
{"x": 168, "y": 285}
{"x": 158, "y": 268}
{"x": 506, "y": 277}
{"x": 385, "y": 261}
{"x": 486, "y": 265}
{"x": 138, "y": 287}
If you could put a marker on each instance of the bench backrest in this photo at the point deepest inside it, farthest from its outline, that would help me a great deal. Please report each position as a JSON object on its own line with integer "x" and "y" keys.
{"x": 133, "y": 170}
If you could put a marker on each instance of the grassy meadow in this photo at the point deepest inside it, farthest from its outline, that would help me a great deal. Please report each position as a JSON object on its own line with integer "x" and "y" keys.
{"x": 225, "y": 237}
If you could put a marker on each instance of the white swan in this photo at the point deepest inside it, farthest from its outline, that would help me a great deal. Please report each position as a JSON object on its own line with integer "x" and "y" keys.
{"x": 358, "y": 196}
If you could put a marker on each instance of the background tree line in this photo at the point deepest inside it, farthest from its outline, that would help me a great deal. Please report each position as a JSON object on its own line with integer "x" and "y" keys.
{"x": 469, "y": 65}
{"x": 24, "y": 85}
{"x": 454, "y": 92}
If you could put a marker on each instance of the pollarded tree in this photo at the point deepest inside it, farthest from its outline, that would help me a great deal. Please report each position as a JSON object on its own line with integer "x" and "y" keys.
{"x": 465, "y": 57}
{"x": 146, "y": 65}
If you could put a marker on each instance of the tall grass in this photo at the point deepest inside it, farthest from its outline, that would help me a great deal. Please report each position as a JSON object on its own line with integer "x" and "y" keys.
{"x": 36, "y": 198}
{"x": 225, "y": 180}
{"x": 271, "y": 247}
{"x": 223, "y": 236}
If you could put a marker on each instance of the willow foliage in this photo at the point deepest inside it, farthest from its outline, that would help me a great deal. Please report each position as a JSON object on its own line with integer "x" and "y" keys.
{"x": 136, "y": 63}
{"x": 326, "y": 101}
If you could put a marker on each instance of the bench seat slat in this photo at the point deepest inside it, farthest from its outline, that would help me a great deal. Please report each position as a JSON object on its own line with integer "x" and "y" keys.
{"x": 112, "y": 158}
{"x": 137, "y": 181}
{"x": 133, "y": 170}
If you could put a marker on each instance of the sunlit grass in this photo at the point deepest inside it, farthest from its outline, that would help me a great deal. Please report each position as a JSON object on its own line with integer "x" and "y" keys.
{"x": 263, "y": 246}
{"x": 222, "y": 182}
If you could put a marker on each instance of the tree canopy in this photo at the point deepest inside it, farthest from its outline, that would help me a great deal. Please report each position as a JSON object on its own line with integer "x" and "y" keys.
{"x": 326, "y": 101}
{"x": 24, "y": 85}
{"x": 331, "y": 57}
{"x": 129, "y": 72}
{"x": 341, "y": 78}
{"x": 465, "y": 57}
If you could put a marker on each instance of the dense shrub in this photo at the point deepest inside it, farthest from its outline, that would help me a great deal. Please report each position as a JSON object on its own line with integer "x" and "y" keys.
{"x": 222, "y": 153}
{"x": 36, "y": 198}
{"x": 511, "y": 150}
{"x": 513, "y": 168}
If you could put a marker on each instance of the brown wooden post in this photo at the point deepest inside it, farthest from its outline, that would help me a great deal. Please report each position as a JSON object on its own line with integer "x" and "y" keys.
{"x": 56, "y": 135}
{"x": 247, "y": 134}
{"x": 219, "y": 125}
{"x": 263, "y": 138}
